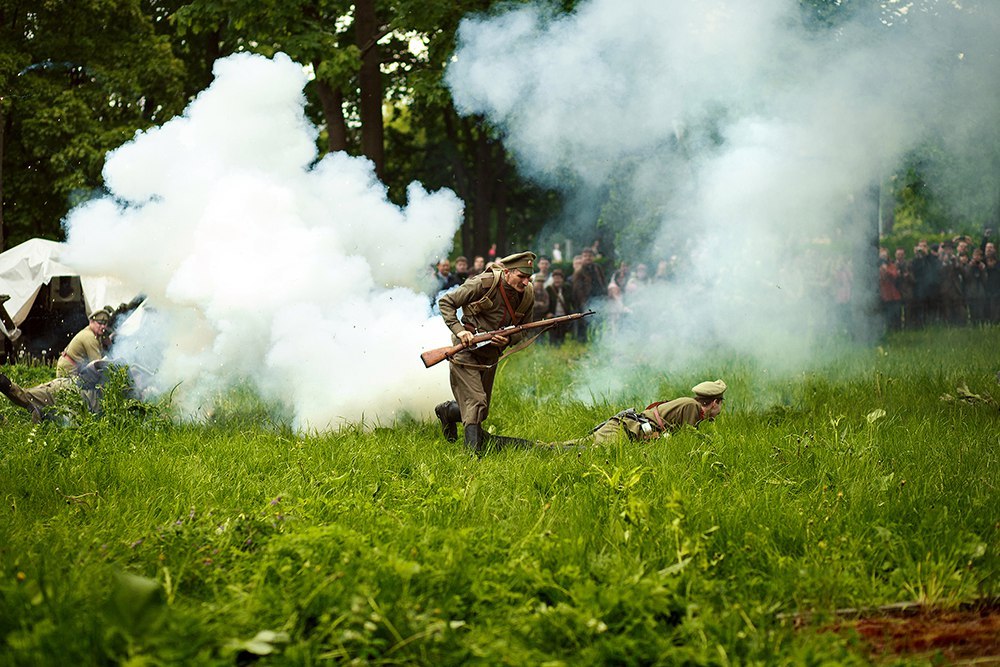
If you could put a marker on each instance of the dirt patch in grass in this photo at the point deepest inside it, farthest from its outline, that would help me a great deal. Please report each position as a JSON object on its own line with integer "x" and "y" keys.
{"x": 966, "y": 636}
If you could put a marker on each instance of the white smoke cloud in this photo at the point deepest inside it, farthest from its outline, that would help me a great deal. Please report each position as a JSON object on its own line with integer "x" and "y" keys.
{"x": 745, "y": 137}
{"x": 263, "y": 266}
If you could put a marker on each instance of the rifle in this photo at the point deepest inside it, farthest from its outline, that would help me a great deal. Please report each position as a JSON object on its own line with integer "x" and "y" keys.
{"x": 436, "y": 356}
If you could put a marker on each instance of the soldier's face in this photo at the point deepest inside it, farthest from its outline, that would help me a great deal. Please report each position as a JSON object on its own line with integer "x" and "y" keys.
{"x": 713, "y": 409}
{"x": 517, "y": 280}
{"x": 98, "y": 327}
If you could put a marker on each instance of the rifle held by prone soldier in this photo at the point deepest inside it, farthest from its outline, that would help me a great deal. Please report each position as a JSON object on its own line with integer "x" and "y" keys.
{"x": 436, "y": 356}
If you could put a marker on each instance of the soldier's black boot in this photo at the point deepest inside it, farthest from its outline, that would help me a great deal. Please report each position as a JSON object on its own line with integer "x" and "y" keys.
{"x": 7, "y": 388}
{"x": 449, "y": 414}
{"x": 474, "y": 438}
{"x": 500, "y": 442}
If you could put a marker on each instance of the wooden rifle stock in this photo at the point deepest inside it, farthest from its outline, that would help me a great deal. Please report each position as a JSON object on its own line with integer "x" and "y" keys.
{"x": 437, "y": 355}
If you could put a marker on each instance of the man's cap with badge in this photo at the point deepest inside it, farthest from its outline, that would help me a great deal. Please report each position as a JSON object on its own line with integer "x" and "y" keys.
{"x": 710, "y": 389}
{"x": 522, "y": 261}
{"x": 101, "y": 315}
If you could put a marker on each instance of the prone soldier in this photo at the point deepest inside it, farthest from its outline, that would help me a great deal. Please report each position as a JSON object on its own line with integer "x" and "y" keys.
{"x": 656, "y": 421}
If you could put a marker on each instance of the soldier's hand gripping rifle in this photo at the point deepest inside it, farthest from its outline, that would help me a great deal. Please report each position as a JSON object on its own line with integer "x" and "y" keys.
{"x": 436, "y": 356}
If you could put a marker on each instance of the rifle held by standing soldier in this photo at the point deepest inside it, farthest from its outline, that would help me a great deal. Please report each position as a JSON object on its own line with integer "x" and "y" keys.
{"x": 437, "y": 355}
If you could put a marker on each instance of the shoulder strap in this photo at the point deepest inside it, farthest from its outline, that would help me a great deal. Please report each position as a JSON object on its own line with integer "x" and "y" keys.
{"x": 515, "y": 317}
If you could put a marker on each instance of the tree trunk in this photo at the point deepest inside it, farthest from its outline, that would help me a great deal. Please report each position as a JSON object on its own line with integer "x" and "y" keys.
{"x": 500, "y": 200}
{"x": 461, "y": 173}
{"x": 332, "y": 101}
{"x": 370, "y": 78}
{"x": 484, "y": 193}
{"x": 3, "y": 127}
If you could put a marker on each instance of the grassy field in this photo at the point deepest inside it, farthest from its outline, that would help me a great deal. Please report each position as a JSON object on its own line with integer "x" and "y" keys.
{"x": 129, "y": 539}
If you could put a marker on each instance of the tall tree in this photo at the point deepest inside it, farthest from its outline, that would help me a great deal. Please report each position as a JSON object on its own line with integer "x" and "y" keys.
{"x": 76, "y": 80}
{"x": 441, "y": 148}
{"x": 338, "y": 40}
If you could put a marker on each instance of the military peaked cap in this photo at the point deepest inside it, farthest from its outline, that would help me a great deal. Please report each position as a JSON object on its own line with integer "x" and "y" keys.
{"x": 522, "y": 261}
{"x": 710, "y": 389}
{"x": 101, "y": 315}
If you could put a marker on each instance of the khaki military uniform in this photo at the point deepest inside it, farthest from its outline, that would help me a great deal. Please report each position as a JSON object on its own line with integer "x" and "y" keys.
{"x": 36, "y": 399}
{"x": 484, "y": 308}
{"x": 652, "y": 422}
{"x": 84, "y": 348}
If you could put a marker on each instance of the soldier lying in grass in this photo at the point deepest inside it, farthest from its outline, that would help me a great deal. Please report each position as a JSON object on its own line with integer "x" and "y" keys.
{"x": 41, "y": 399}
{"x": 657, "y": 420}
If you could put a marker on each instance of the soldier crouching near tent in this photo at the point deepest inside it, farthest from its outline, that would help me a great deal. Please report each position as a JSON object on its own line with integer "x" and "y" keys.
{"x": 88, "y": 386}
{"x": 88, "y": 345}
{"x": 81, "y": 371}
{"x": 39, "y": 399}
{"x": 496, "y": 298}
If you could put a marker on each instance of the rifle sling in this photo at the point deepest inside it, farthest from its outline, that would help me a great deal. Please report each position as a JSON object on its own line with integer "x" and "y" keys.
{"x": 514, "y": 319}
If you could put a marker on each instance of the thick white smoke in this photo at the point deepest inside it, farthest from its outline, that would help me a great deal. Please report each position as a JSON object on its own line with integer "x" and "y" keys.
{"x": 751, "y": 142}
{"x": 265, "y": 267}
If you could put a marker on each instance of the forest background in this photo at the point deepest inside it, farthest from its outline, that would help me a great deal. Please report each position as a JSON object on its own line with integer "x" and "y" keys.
{"x": 80, "y": 79}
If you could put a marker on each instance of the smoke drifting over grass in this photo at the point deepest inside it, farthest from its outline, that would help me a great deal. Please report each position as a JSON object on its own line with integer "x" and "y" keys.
{"x": 265, "y": 267}
{"x": 742, "y": 139}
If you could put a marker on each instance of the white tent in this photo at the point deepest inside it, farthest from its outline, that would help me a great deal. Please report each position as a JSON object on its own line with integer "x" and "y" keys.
{"x": 26, "y": 267}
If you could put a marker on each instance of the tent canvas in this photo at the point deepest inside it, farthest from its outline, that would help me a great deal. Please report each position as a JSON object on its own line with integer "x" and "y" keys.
{"x": 26, "y": 267}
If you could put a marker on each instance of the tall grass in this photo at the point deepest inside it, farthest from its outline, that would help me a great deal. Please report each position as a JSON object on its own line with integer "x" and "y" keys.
{"x": 128, "y": 538}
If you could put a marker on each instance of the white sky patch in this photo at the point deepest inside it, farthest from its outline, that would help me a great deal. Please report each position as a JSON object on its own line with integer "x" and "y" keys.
{"x": 265, "y": 267}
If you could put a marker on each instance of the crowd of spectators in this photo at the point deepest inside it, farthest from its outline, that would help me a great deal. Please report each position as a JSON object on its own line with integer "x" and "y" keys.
{"x": 952, "y": 282}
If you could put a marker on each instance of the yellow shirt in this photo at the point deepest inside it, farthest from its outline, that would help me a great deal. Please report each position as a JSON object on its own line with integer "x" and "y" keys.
{"x": 84, "y": 348}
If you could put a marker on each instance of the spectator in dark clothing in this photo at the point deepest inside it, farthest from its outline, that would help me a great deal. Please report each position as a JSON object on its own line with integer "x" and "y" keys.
{"x": 541, "y": 306}
{"x": 461, "y": 269}
{"x": 951, "y": 294}
{"x": 444, "y": 278}
{"x": 561, "y": 302}
{"x": 888, "y": 288}
{"x": 588, "y": 284}
{"x": 905, "y": 286}
{"x": 992, "y": 281}
{"x": 925, "y": 283}
{"x": 974, "y": 283}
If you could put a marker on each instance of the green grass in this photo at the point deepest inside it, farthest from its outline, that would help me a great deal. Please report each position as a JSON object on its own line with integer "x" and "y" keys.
{"x": 127, "y": 539}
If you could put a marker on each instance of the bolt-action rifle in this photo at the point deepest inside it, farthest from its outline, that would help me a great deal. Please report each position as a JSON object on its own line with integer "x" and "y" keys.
{"x": 436, "y": 356}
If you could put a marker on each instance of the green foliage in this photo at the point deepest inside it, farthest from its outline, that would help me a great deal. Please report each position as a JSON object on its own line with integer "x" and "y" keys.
{"x": 77, "y": 80}
{"x": 128, "y": 539}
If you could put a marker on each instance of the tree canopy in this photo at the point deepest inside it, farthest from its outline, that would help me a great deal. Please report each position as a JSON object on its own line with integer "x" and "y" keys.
{"x": 79, "y": 79}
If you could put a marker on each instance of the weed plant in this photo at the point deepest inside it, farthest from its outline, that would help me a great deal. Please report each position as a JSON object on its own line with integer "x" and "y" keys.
{"x": 131, "y": 539}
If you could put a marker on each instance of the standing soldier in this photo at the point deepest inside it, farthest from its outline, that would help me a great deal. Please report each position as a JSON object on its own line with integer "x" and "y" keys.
{"x": 498, "y": 297}
{"x": 88, "y": 345}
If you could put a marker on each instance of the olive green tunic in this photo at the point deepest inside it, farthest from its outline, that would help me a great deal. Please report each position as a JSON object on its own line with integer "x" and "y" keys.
{"x": 84, "y": 348}
{"x": 45, "y": 395}
{"x": 643, "y": 425}
{"x": 483, "y": 309}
